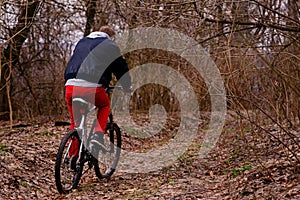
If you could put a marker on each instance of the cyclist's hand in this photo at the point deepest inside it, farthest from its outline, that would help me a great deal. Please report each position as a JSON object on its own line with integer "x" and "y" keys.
{"x": 128, "y": 90}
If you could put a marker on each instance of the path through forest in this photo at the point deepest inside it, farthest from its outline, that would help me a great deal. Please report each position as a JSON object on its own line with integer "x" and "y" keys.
{"x": 27, "y": 157}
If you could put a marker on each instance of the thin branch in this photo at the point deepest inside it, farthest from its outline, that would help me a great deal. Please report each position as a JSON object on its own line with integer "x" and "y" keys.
{"x": 248, "y": 23}
{"x": 292, "y": 136}
{"x": 276, "y": 12}
{"x": 8, "y": 90}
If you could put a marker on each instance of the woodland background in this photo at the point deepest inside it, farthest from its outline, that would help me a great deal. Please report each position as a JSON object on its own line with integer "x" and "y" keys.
{"x": 255, "y": 44}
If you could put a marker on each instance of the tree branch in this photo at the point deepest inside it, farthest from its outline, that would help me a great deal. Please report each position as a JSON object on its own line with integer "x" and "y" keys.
{"x": 248, "y": 23}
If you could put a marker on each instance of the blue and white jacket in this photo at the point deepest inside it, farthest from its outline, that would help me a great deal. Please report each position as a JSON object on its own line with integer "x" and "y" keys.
{"x": 94, "y": 60}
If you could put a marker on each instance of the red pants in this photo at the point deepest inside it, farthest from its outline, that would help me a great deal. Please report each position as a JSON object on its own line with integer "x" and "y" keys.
{"x": 98, "y": 97}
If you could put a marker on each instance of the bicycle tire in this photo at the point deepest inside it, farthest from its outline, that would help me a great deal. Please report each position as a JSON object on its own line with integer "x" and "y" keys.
{"x": 62, "y": 166}
{"x": 105, "y": 168}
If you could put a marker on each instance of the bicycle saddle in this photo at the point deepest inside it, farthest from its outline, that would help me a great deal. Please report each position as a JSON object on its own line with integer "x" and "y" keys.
{"x": 81, "y": 103}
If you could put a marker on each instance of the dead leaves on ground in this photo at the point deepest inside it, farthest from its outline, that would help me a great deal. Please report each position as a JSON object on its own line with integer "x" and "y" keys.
{"x": 233, "y": 170}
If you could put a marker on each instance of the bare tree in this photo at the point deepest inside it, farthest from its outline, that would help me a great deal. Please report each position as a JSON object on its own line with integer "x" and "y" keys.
{"x": 17, "y": 36}
{"x": 247, "y": 39}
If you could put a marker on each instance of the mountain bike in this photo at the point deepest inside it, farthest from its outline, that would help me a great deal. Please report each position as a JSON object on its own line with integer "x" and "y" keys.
{"x": 104, "y": 160}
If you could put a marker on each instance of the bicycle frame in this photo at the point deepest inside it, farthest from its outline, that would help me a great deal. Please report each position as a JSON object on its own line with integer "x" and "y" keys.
{"x": 67, "y": 176}
{"x": 82, "y": 128}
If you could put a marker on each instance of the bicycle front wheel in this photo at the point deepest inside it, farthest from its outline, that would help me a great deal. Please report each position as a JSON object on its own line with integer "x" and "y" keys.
{"x": 108, "y": 158}
{"x": 66, "y": 175}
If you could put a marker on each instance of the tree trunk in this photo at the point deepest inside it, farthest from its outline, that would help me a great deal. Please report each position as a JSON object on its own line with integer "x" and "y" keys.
{"x": 90, "y": 16}
{"x": 11, "y": 54}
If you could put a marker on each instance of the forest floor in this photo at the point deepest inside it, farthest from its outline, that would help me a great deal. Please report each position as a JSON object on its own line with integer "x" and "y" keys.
{"x": 244, "y": 165}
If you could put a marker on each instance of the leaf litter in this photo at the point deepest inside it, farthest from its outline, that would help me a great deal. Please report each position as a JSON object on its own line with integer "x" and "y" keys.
{"x": 257, "y": 168}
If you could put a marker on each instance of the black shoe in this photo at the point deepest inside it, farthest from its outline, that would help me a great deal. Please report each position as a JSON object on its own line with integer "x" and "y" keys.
{"x": 97, "y": 138}
{"x": 96, "y": 142}
{"x": 73, "y": 162}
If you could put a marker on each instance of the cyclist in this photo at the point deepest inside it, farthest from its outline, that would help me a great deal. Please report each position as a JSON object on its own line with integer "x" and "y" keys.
{"x": 95, "y": 58}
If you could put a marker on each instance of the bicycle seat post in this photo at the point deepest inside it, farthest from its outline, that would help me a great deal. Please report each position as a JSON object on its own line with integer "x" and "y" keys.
{"x": 82, "y": 106}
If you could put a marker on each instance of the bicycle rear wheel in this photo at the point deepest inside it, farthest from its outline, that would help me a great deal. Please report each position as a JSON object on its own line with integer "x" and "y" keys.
{"x": 66, "y": 178}
{"x": 108, "y": 158}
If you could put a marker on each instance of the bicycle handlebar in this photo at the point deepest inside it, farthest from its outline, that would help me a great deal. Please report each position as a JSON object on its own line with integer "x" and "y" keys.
{"x": 107, "y": 89}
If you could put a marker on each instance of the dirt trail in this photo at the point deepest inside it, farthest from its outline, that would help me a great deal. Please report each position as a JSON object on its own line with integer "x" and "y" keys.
{"x": 27, "y": 156}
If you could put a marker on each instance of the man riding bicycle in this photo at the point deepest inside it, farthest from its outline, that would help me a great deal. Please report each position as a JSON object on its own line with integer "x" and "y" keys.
{"x": 95, "y": 58}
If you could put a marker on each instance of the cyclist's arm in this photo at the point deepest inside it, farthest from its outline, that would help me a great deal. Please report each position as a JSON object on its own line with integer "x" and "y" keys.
{"x": 120, "y": 70}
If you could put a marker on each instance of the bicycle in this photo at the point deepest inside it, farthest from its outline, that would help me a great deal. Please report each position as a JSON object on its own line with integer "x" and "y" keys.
{"x": 104, "y": 160}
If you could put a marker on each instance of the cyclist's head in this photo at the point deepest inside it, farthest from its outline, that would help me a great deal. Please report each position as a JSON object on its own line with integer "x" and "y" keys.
{"x": 108, "y": 30}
